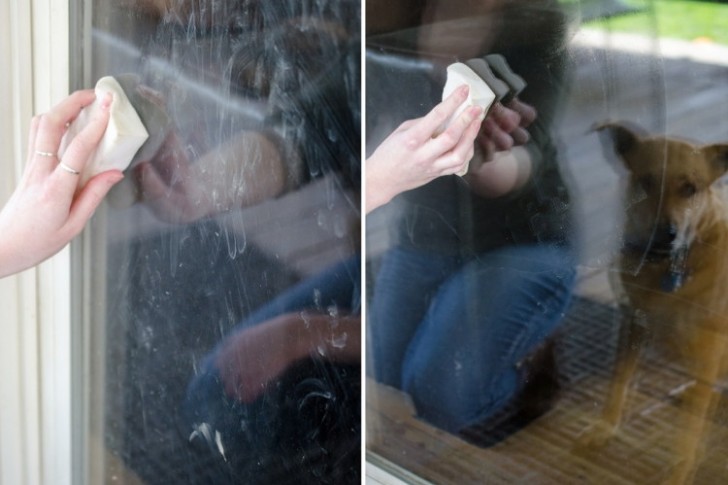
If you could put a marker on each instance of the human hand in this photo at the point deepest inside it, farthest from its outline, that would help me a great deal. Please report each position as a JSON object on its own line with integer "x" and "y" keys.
{"x": 504, "y": 128}
{"x": 418, "y": 151}
{"x": 168, "y": 185}
{"x": 501, "y": 163}
{"x": 48, "y": 208}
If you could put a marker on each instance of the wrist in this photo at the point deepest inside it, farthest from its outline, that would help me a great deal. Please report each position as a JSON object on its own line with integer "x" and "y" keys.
{"x": 375, "y": 199}
{"x": 335, "y": 338}
{"x": 377, "y": 193}
{"x": 295, "y": 332}
{"x": 9, "y": 261}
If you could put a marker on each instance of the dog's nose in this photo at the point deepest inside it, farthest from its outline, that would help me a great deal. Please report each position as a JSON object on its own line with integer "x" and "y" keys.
{"x": 672, "y": 231}
{"x": 664, "y": 235}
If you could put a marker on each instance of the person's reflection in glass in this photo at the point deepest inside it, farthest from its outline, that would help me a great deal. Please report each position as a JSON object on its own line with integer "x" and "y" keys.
{"x": 469, "y": 294}
{"x": 276, "y": 399}
{"x": 279, "y": 400}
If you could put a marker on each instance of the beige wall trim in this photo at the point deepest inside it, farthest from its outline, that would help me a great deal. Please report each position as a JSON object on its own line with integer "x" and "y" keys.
{"x": 49, "y": 27}
{"x": 19, "y": 384}
{"x": 35, "y": 351}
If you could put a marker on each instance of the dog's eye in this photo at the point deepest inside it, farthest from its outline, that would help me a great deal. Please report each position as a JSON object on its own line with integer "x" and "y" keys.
{"x": 688, "y": 189}
{"x": 647, "y": 183}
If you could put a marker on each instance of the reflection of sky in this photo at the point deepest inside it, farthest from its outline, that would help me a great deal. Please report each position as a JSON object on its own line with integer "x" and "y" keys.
{"x": 128, "y": 58}
{"x": 204, "y": 114}
{"x": 640, "y": 44}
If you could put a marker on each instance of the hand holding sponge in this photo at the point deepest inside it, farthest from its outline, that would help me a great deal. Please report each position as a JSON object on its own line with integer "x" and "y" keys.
{"x": 123, "y": 137}
{"x": 138, "y": 126}
{"x": 490, "y": 80}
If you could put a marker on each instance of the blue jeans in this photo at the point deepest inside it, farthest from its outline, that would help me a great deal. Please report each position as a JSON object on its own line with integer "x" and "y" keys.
{"x": 450, "y": 332}
{"x": 337, "y": 286}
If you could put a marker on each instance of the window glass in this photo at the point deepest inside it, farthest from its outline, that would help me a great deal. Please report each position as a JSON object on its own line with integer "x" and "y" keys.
{"x": 510, "y": 301}
{"x": 223, "y": 332}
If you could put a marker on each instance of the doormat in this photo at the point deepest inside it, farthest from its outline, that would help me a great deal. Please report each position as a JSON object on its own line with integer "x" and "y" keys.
{"x": 585, "y": 354}
{"x": 547, "y": 450}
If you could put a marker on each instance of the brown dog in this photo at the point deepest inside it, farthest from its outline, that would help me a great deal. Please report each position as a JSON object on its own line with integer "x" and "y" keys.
{"x": 673, "y": 275}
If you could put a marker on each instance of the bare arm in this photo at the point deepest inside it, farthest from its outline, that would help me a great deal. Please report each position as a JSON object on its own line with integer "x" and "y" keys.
{"x": 507, "y": 171}
{"x": 48, "y": 208}
{"x": 417, "y": 152}
{"x": 242, "y": 172}
{"x": 254, "y": 357}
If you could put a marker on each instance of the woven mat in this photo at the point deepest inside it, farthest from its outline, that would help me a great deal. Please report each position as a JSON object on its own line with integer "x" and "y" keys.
{"x": 641, "y": 451}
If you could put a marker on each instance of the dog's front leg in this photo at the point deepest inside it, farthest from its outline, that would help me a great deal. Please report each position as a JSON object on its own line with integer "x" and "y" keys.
{"x": 699, "y": 403}
{"x": 632, "y": 336}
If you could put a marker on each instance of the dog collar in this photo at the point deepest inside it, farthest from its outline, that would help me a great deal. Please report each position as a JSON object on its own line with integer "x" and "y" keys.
{"x": 673, "y": 281}
{"x": 677, "y": 273}
{"x": 650, "y": 255}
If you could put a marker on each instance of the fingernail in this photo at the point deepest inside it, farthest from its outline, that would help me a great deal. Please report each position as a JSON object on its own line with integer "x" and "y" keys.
{"x": 477, "y": 112}
{"x": 106, "y": 101}
{"x": 463, "y": 90}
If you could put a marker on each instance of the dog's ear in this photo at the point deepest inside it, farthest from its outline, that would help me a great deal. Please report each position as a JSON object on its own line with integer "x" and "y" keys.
{"x": 624, "y": 136}
{"x": 718, "y": 156}
{"x": 617, "y": 139}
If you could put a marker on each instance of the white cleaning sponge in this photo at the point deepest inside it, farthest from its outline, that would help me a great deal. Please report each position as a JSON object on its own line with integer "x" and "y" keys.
{"x": 124, "y": 135}
{"x": 480, "y": 93}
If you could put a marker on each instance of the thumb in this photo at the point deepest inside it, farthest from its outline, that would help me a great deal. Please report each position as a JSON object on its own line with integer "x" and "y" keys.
{"x": 89, "y": 198}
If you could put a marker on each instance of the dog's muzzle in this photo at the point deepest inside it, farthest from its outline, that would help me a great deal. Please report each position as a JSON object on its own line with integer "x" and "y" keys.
{"x": 660, "y": 248}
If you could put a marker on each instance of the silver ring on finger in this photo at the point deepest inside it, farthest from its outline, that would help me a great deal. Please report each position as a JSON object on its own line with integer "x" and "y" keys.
{"x": 68, "y": 169}
{"x": 45, "y": 154}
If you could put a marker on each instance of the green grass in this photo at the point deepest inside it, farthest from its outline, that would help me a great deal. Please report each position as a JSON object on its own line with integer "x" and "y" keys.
{"x": 675, "y": 19}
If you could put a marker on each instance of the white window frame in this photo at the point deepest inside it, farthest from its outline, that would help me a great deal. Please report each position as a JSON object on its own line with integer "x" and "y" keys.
{"x": 35, "y": 353}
